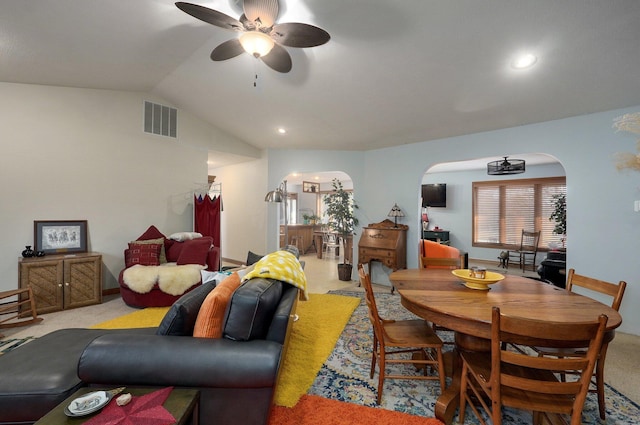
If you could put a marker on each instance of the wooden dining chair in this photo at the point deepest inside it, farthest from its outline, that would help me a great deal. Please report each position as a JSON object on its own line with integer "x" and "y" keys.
{"x": 526, "y": 254}
{"x": 616, "y": 292}
{"x": 401, "y": 337}
{"x": 522, "y": 380}
{"x": 442, "y": 263}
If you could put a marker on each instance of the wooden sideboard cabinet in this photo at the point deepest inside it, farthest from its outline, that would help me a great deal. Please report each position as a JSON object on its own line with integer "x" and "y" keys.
{"x": 60, "y": 282}
{"x": 385, "y": 243}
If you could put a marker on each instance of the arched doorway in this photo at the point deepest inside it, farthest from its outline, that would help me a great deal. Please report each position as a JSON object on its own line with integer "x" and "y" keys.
{"x": 306, "y": 210}
{"x": 458, "y": 218}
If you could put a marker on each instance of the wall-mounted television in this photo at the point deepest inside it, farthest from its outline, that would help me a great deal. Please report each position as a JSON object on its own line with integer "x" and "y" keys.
{"x": 434, "y": 195}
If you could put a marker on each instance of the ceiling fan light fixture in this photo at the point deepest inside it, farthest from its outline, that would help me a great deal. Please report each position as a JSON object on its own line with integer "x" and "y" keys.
{"x": 256, "y": 43}
{"x": 505, "y": 167}
{"x": 262, "y": 37}
{"x": 524, "y": 61}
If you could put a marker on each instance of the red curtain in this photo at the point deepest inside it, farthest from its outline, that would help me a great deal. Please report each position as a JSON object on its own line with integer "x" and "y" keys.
{"x": 207, "y": 216}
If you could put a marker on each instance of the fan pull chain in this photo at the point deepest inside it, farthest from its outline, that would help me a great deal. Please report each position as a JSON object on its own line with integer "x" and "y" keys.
{"x": 257, "y": 83}
{"x": 255, "y": 73}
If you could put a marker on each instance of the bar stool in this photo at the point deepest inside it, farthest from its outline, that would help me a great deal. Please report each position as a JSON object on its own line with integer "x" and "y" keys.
{"x": 298, "y": 242}
{"x": 332, "y": 245}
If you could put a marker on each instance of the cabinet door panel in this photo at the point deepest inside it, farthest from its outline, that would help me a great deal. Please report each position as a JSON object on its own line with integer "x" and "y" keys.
{"x": 82, "y": 282}
{"x": 45, "y": 279}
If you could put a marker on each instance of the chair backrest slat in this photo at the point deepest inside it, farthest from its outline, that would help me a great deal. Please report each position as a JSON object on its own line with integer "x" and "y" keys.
{"x": 374, "y": 316}
{"x": 529, "y": 240}
{"x": 528, "y": 372}
{"x": 616, "y": 291}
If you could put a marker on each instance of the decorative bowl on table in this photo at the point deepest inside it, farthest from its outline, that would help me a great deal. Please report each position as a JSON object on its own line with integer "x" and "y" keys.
{"x": 478, "y": 283}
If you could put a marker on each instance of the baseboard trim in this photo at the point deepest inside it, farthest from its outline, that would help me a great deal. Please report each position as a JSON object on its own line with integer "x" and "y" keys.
{"x": 232, "y": 261}
{"x": 110, "y": 291}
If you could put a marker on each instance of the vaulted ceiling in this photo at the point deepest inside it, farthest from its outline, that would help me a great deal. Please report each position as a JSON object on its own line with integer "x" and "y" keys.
{"x": 394, "y": 72}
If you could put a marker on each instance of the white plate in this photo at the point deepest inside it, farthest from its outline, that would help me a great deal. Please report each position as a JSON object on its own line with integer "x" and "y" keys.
{"x": 91, "y": 402}
{"x": 87, "y": 404}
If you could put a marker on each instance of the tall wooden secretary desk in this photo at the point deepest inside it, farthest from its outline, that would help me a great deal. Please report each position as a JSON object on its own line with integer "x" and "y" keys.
{"x": 384, "y": 242}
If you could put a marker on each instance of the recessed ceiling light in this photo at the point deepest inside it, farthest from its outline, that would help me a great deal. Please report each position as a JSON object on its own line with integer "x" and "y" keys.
{"x": 524, "y": 61}
{"x": 282, "y": 130}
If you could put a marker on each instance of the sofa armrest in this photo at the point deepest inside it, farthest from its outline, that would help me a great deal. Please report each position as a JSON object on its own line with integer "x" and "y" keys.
{"x": 160, "y": 360}
{"x": 283, "y": 316}
{"x": 213, "y": 259}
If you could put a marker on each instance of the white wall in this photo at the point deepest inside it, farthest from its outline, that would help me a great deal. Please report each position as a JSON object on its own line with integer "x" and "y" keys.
{"x": 603, "y": 229}
{"x": 79, "y": 154}
{"x": 244, "y": 215}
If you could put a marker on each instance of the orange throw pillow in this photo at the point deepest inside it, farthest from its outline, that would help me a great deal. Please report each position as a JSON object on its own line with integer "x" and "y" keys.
{"x": 211, "y": 315}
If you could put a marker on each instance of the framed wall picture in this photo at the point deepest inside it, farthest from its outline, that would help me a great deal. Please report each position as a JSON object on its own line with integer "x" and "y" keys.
{"x": 310, "y": 187}
{"x": 57, "y": 237}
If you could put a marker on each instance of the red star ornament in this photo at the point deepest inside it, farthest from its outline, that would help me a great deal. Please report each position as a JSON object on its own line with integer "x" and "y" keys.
{"x": 142, "y": 410}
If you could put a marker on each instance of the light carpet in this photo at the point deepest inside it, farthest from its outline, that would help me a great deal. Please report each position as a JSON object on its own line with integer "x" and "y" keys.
{"x": 321, "y": 320}
{"x": 345, "y": 376}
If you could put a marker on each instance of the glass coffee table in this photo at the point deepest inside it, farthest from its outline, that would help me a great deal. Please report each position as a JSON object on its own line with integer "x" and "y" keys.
{"x": 182, "y": 403}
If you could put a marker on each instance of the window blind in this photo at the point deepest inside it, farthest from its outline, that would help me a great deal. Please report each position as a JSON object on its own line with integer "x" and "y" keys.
{"x": 502, "y": 209}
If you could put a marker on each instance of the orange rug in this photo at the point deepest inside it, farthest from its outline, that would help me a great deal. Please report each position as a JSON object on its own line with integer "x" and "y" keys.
{"x": 315, "y": 410}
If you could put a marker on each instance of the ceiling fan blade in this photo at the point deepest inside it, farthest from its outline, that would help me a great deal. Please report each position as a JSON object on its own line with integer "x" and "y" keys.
{"x": 227, "y": 50}
{"x": 266, "y": 11}
{"x": 210, "y": 16}
{"x": 278, "y": 59}
{"x": 294, "y": 34}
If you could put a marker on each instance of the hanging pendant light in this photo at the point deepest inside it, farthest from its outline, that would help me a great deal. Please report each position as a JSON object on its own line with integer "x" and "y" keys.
{"x": 502, "y": 167}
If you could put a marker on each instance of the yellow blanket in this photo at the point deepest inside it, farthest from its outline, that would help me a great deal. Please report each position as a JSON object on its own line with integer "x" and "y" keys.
{"x": 280, "y": 265}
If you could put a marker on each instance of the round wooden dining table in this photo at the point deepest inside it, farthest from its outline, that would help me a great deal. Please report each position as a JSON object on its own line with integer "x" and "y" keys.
{"x": 440, "y": 297}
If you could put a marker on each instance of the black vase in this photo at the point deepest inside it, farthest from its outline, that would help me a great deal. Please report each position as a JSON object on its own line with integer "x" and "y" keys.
{"x": 28, "y": 252}
{"x": 39, "y": 253}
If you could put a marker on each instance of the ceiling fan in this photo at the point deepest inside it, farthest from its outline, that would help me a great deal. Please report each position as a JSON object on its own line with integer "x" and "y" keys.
{"x": 261, "y": 35}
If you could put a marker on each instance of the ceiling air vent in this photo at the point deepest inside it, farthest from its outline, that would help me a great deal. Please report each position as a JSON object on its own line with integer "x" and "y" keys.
{"x": 161, "y": 120}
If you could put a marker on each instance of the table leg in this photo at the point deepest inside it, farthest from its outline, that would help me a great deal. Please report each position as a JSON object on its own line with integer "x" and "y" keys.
{"x": 318, "y": 240}
{"x": 449, "y": 400}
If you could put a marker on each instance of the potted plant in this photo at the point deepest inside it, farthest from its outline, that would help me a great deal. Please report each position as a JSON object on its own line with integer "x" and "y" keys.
{"x": 559, "y": 215}
{"x": 340, "y": 208}
{"x": 310, "y": 218}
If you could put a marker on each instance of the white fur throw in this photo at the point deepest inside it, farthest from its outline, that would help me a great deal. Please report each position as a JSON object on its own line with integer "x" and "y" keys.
{"x": 185, "y": 236}
{"x": 171, "y": 278}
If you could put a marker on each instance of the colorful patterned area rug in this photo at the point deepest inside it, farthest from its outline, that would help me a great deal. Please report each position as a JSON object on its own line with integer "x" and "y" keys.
{"x": 345, "y": 376}
{"x": 11, "y": 343}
